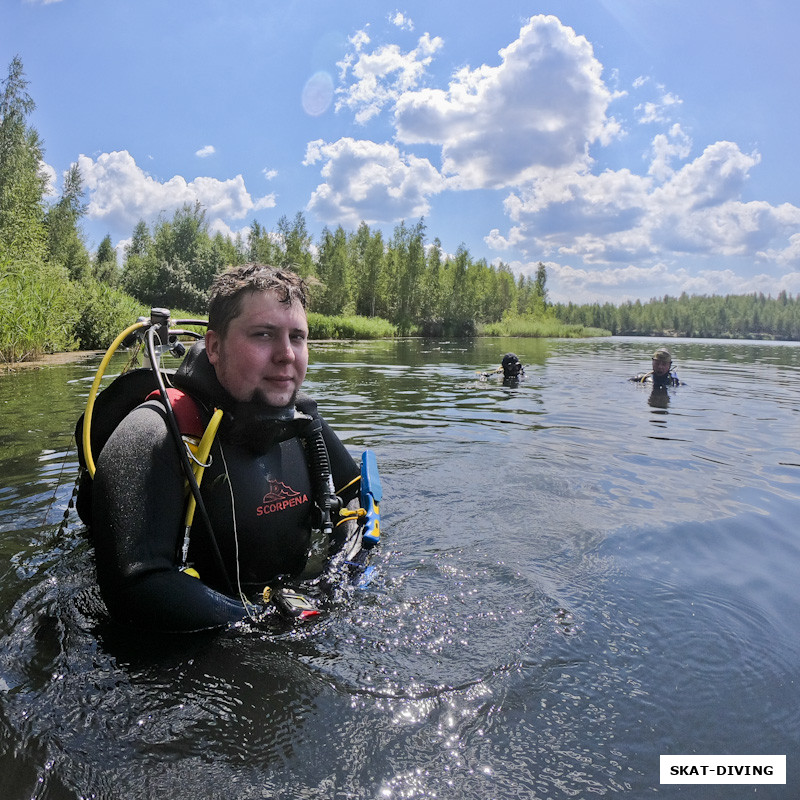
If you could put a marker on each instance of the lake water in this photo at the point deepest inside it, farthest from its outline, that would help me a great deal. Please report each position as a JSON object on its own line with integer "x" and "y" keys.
{"x": 576, "y": 577}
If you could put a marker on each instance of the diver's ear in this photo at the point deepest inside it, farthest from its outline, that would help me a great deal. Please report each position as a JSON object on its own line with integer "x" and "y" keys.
{"x": 213, "y": 345}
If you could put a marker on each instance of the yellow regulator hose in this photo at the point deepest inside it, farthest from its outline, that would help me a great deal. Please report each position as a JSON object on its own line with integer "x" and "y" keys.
{"x": 201, "y": 462}
{"x": 87, "y": 416}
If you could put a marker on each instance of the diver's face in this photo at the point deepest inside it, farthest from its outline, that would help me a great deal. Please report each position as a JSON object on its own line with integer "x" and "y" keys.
{"x": 263, "y": 356}
{"x": 660, "y": 367}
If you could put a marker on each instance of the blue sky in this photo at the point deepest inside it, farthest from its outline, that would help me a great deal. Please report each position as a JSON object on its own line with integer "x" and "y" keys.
{"x": 636, "y": 147}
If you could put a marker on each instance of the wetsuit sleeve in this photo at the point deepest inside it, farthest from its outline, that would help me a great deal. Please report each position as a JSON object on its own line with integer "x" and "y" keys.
{"x": 137, "y": 512}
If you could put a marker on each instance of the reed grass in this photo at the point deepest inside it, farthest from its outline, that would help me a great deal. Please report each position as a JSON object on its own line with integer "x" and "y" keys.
{"x": 37, "y": 313}
{"x": 349, "y": 327}
{"x": 545, "y": 327}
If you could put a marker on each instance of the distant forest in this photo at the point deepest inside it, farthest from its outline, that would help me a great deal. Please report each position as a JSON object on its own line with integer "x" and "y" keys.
{"x": 744, "y": 316}
{"x": 56, "y": 295}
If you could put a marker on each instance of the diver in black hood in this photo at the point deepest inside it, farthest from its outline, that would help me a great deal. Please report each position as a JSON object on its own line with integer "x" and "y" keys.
{"x": 511, "y": 368}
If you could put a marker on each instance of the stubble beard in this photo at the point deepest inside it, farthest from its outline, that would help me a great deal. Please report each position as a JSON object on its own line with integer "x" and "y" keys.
{"x": 258, "y": 396}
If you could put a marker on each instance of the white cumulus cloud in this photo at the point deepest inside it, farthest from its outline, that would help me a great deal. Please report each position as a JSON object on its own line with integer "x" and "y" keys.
{"x": 402, "y": 21}
{"x": 122, "y": 193}
{"x": 538, "y": 110}
{"x": 370, "y": 182}
{"x": 666, "y": 147}
{"x": 659, "y": 110}
{"x": 533, "y": 114}
{"x": 372, "y": 80}
{"x": 618, "y": 216}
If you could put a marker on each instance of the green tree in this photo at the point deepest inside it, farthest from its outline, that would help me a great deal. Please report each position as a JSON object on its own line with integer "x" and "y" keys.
{"x": 406, "y": 257}
{"x": 22, "y": 184}
{"x": 141, "y": 241}
{"x": 37, "y": 301}
{"x": 176, "y": 266}
{"x": 261, "y": 246}
{"x": 430, "y": 312}
{"x": 105, "y": 263}
{"x": 459, "y": 306}
{"x": 333, "y": 296}
{"x": 295, "y": 246}
{"x": 540, "y": 284}
{"x": 503, "y": 299}
{"x": 65, "y": 245}
{"x": 731, "y": 316}
{"x": 368, "y": 257}
{"x": 140, "y": 270}
{"x": 226, "y": 252}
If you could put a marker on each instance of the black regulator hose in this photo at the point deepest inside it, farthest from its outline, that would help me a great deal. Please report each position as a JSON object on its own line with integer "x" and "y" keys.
{"x": 186, "y": 465}
{"x": 321, "y": 469}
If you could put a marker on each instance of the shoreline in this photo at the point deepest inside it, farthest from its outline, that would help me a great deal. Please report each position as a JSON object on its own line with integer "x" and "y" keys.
{"x": 50, "y": 360}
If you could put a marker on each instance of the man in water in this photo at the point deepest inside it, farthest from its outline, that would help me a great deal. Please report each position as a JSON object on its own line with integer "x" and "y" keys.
{"x": 511, "y": 367}
{"x": 260, "y": 493}
{"x": 662, "y": 374}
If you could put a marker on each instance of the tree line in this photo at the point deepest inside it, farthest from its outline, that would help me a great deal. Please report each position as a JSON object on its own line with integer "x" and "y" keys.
{"x": 749, "y": 316}
{"x": 56, "y": 295}
{"x": 414, "y": 286}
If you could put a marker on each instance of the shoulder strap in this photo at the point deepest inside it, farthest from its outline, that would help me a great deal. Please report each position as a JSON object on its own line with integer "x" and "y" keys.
{"x": 187, "y": 410}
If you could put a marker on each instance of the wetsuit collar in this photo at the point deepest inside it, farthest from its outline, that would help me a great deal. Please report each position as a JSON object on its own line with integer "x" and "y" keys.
{"x": 255, "y": 425}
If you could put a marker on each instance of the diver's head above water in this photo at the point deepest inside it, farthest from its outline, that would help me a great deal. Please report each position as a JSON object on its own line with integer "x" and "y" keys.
{"x": 662, "y": 362}
{"x": 512, "y": 366}
{"x": 257, "y": 337}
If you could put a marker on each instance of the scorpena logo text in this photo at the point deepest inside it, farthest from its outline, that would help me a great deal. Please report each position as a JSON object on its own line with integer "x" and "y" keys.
{"x": 279, "y": 497}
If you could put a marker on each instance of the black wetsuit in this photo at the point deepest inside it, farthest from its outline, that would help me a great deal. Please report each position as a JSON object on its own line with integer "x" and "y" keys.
{"x": 138, "y": 506}
{"x": 657, "y": 381}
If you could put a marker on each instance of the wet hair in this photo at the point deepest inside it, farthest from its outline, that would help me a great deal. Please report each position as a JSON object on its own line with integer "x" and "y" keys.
{"x": 229, "y": 287}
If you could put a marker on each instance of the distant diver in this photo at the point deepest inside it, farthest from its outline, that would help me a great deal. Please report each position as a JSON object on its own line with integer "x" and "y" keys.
{"x": 511, "y": 368}
{"x": 662, "y": 375}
